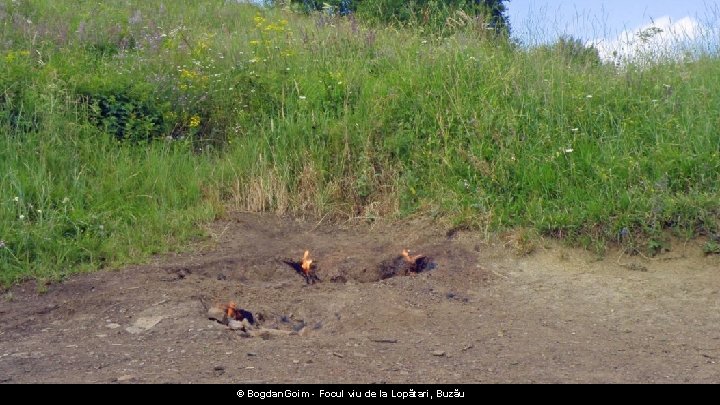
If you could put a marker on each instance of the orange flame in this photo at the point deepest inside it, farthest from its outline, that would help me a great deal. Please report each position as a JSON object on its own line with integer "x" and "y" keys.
{"x": 410, "y": 259}
{"x": 231, "y": 310}
{"x": 306, "y": 262}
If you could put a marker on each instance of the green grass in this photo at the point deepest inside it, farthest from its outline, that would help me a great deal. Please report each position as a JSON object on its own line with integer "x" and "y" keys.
{"x": 225, "y": 106}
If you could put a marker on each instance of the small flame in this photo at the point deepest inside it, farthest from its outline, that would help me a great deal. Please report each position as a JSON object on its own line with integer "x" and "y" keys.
{"x": 231, "y": 310}
{"x": 410, "y": 259}
{"x": 306, "y": 262}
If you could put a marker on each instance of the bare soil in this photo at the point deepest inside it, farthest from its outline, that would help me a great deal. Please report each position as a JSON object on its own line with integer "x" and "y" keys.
{"x": 484, "y": 314}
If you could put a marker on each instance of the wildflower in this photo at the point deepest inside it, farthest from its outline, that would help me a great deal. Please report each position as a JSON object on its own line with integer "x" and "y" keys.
{"x": 2, "y": 243}
{"x": 65, "y": 200}
{"x": 254, "y": 42}
{"x": 302, "y": 97}
{"x": 253, "y": 60}
{"x": 588, "y": 96}
{"x": 194, "y": 121}
{"x": 16, "y": 199}
{"x": 575, "y": 129}
{"x": 39, "y": 211}
{"x": 22, "y": 217}
{"x": 568, "y": 150}
{"x": 187, "y": 74}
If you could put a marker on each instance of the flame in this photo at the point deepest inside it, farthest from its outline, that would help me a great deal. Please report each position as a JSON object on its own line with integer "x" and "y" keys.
{"x": 306, "y": 262}
{"x": 231, "y": 310}
{"x": 410, "y": 259}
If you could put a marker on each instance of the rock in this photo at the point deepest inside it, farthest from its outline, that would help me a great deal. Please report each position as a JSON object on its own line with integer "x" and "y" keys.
{"x": 112, "y": 325}
{"x": 216, "y": 313}
{"x": 236, "y": 325}
{"x": 126, "y": 377}
{"x": 438, "y": 353}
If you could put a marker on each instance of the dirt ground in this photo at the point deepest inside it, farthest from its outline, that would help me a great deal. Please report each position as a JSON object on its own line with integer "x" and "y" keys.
{"x": 484, "y": 314}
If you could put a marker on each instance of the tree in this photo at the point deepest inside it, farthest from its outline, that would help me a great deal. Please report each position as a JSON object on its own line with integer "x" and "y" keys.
{"x": 574, "y": 50}
{"x": 493, "y": 11}
{"x": 496, "y": 12}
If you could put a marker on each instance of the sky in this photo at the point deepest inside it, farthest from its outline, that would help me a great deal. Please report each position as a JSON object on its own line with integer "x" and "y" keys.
{"x": 613, "y": 25}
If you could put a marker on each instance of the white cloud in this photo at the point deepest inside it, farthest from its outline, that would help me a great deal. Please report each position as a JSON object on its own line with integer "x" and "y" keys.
{"x": 662, "y": 38}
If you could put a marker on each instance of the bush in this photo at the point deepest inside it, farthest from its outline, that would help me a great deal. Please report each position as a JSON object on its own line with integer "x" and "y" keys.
{"x": 431, "y": 14}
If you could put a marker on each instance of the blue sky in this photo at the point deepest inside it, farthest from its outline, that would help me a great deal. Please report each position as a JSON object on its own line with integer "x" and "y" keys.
{"x": 613, "y": 24}
{"x": 589, "y": 19}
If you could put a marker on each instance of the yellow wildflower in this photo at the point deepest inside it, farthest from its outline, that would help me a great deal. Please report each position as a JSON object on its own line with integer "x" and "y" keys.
{"x": 194, "y": 121}
{"x": 187, "y": 74}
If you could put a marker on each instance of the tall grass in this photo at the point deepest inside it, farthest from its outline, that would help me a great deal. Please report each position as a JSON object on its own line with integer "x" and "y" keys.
{"x": 126, "y": 126}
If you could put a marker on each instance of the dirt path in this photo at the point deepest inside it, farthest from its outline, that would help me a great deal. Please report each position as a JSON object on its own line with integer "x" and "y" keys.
{"x": 482, "y": 315}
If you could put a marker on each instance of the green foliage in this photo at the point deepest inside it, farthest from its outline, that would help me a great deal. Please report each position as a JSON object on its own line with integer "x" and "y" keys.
{"x": 430, "y": 14}
{"x": 270, "y": 110}
{"x": 438, "y": 14}
{"x": 124, "y": 117}
{"x": 572, "y": 51}
{"x": 711, "y": 247}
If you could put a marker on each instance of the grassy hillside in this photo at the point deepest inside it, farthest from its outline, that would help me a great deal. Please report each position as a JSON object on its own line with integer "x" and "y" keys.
{"x": 126, "y": 125}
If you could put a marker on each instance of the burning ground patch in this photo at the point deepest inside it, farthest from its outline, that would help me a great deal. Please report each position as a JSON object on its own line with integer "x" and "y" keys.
{"x": 247, "y": 324}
